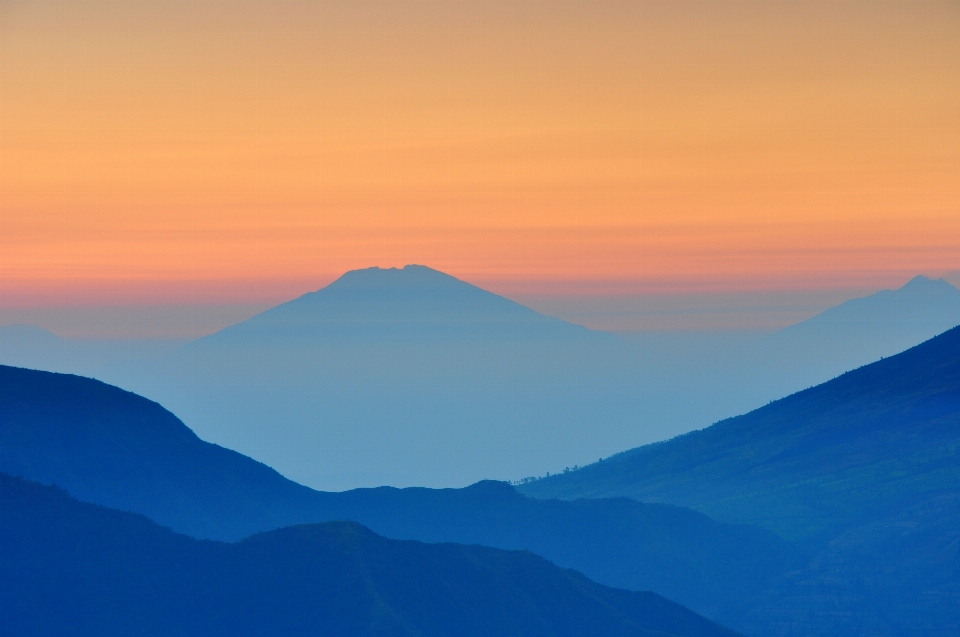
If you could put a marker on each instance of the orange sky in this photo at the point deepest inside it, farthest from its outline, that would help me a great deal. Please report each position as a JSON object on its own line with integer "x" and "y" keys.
{"x": 228, "y": 152}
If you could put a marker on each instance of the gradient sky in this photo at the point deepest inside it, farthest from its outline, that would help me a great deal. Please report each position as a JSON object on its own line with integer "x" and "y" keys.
{"x": 242, "y": 153}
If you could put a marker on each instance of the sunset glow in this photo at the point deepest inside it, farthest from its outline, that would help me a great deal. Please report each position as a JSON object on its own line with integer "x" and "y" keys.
{"x": 185, "y": 152}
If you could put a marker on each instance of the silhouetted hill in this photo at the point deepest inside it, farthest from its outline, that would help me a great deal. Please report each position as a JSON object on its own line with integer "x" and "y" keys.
{"x": 415, "y": 302}
{"x": 859, "y": 331}
{"x": 717, "y": 569}
{"x": 69, "y": 568}
{"x": 17, "y": 336}
{"x": 921, "y": 308}
{"x": 111, "y": 447}
{"x": 412, "y": 377}
{"x": 33, "y": 347}
{"x": 406, "y": 377}
{"x": 692, "y": 379}
{"x": 874, "y": 438}
{"x": 114, "y": 448}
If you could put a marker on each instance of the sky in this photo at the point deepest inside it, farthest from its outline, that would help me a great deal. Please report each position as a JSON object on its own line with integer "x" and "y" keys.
{"x": 168, "y": 167}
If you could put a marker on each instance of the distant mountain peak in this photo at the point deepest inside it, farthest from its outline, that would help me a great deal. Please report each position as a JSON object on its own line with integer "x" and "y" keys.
{"x": 411, "y": 276}
{"x": 411, "y": 269}
{"x": 929, "y": 305}
{"x": 409, "y": 303}
{"x": 926, "y": 283}
{"x": 22, "y": 329}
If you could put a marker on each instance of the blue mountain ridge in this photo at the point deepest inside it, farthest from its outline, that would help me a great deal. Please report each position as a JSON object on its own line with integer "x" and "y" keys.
{"x": 114, "y": 448}
{"x": 863, "y": 469}
{"x": 877, "y": 511}
{"x": 692, "y": 379}
{"x": 70, "y": 568}
{"x": 411, "y": 377}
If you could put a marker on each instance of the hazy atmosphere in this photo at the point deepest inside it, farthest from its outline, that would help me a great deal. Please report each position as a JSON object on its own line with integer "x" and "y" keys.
{"x": 547, "y": 317}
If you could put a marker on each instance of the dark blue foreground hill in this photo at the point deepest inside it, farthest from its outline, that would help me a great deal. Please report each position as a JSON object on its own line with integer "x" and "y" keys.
{"x": 111, "y": 447}
{"x": 73, "y": 569}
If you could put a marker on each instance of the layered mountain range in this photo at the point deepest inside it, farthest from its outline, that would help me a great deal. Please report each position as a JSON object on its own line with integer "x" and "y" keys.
{"x": 863, "y": 469}
{"x": 406, "y": 377}
{"x": 855, "y": 481}
{"x": 693, "y": 379}
{"x": 810, "y": 462}
{"x": 114, "y": 448}
{"x": 71, "y": 568}
{"x": 832, "y": 511}
{"x": 410, "y": 377}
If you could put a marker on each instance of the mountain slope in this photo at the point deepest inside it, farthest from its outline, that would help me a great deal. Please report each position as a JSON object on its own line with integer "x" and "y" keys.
{"x": 921, "y": 307}
{"x": 412, "y": 377}
{"x": 716, "y": 569}
{"x": 406, "y": 377}
{"x": 870, "y": 441}
{"x": 415, "y": 302}
{"x": 36, "y": 348}
{"x": 858, "y": 332}
{"x": 692, "y": 379}
{"x": 69, "y": 568}
{"x": 864, "y": 469}
{"x": 114, "y": 448}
